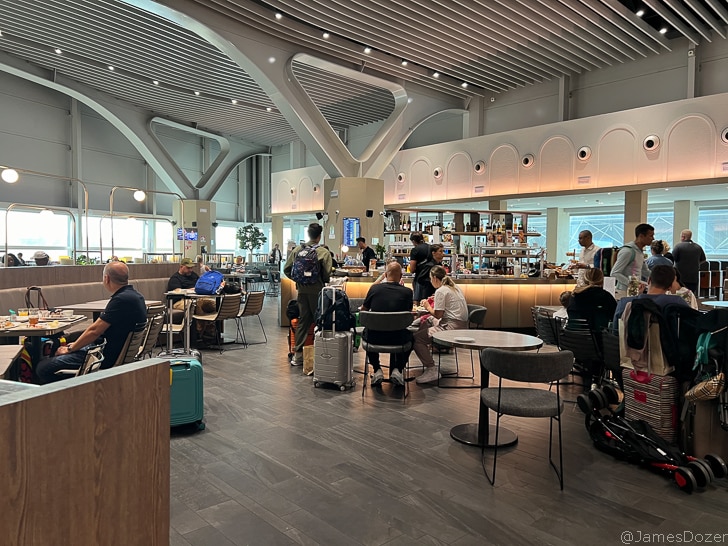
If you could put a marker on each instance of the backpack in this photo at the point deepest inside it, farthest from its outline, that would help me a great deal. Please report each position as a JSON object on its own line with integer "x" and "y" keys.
{"x": 326, "y": 308}
{"x": 232, "y": 287}
{"x": 209, "y": 283}
{"x": 292, "y": 310}
{"x": 306, "y": 266}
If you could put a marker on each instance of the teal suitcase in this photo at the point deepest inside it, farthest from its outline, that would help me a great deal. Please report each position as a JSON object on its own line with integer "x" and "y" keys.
{"x": 186, "y": 396}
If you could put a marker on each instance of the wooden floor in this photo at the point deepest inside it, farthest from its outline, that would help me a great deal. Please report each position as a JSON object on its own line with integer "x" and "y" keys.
{"x": 281, "y": 462}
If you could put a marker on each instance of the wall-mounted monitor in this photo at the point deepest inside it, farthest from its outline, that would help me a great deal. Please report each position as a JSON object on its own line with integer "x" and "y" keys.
{"x": 352, "y": 230}
{"x": 190, "y": 234}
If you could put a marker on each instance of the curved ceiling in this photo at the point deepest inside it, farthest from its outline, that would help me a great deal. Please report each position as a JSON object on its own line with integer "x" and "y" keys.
{"x": 489, "y": 45}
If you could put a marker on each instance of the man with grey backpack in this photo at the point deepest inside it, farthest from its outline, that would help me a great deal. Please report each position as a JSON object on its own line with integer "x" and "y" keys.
{"x": 309, "y": 266}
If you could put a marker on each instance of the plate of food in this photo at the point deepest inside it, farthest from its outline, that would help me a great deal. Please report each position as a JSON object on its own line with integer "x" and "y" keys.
{"x": 463, "y": 339}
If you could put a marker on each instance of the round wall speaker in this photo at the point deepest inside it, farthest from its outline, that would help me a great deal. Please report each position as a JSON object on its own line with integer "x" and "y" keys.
{"x": 479, "y": 167}
{"x": 584, "y": 153}
{"x": 651, "y": 143}
{"x": 400, "y": 178}
{"x": 527, "y": 161}
{"x": 437, "y": 173}
{"x": 724, "y": 135}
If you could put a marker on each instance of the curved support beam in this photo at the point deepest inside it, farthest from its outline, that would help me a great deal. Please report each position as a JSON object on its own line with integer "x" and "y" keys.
{"x": 225, "y": 171}
{"x": 128, "y": 120}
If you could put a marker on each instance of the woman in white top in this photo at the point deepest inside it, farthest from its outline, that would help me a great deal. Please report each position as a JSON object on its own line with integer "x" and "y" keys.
{"x": 450, "y": 312}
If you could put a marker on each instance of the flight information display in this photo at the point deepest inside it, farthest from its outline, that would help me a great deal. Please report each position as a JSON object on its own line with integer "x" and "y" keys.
{"x": 352, "y": 230}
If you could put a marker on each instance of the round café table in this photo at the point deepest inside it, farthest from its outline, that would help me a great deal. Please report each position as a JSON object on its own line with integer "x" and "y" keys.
{"x": 479, "y": 434}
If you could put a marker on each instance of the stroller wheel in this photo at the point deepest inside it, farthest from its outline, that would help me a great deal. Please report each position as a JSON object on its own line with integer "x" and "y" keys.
{"x": 598, "y": 399}
{"x": 717, "y": 465}
{"x": 685, "y": 479}
{"x": 611, "y": 394}
{"x": 702, "y": 472}
{"x": 585, "y": 404}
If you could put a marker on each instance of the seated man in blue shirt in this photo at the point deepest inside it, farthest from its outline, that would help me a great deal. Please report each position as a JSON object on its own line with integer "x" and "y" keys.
{"x": 387, "y": 297}
{"x": 125, "y": 309}
{"x": 661, "y": 280}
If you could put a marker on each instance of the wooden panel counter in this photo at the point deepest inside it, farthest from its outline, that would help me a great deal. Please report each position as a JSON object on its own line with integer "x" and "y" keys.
{"x": 508, "y": 300}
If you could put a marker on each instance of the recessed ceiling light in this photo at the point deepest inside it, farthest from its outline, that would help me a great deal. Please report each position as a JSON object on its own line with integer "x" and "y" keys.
{"x": 111, "y": 68}
{"x": 436, "y": 75}
{"x": 279, "y": 16}
{"x": 269, "y": 109}
{"x": 197, "y": 93}
{"x": 367, "y": 50}
{"x": 464, "y": 85}
{"x": 640, "y": 12}
{"x": 326, "y": 35}
{"x": 58, "y": 50}
{"x": 155, "y": 82}
{"x": 271, "y": 60}
{"x": 663, "y": 30}
{"x": 404, "y": 63}
{"x": 234, "y": 101}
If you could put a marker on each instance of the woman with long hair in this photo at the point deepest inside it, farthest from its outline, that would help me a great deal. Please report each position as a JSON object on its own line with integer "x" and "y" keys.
{"x": 449, "y": 312}
{"x": 591, "y": 302}
{"x": 658, "y": 249}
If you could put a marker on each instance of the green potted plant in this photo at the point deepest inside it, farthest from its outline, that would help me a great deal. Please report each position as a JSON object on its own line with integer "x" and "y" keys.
{"x": 250, "y": 238}
{"x": 380, "y": 249}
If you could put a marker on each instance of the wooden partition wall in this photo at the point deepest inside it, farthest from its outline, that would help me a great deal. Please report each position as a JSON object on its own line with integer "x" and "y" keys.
{"x": 14, "y": 277}
{"x": 86, "y": 461}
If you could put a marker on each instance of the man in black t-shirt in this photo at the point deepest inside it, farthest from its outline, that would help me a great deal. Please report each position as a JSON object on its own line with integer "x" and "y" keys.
{"x": 125, "y": 310}
{"x": 366, "y": 252}
{"x": 184, "y": 278}
{"x": 419, "y": 257}
{"x": 387, "y": 297}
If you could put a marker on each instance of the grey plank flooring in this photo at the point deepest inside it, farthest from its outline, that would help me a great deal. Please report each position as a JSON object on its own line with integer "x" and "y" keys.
{"x": 282, "y": 462}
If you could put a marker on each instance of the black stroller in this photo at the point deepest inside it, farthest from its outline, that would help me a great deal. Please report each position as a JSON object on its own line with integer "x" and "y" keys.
{"x": 636, "y": 442}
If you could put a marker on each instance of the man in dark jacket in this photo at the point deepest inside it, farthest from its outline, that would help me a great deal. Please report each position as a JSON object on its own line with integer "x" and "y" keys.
{"x": 688, "y": 256}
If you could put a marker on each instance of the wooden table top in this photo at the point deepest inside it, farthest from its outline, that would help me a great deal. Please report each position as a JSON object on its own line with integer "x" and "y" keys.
{"x": 482, "y": 339}
{"x": 8, "y": 353}
{"x": 99, "y": 305}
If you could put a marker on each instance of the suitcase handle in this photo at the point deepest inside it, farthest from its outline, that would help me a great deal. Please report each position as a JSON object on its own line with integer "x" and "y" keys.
{"x": 640, "y": 377}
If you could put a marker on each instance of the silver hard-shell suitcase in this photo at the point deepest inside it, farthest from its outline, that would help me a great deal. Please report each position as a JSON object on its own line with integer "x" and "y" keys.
{"x": 333, "y": 360}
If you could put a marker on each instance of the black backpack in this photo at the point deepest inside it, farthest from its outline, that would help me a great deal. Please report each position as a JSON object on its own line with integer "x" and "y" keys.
{"x": 292, "y": 310}
{"x": 326, "y": 309}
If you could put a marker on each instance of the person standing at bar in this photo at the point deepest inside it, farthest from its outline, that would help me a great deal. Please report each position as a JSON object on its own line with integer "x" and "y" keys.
{"x": 688, "y": 256}
{"x": 631, "y": 260}
{"x": 586, "y": 255}
{"x": 418, "y": 264}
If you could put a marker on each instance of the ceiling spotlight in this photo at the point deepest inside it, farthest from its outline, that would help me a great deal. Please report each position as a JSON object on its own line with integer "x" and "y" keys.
{"x": 436, "y": 75}
{"x": 404, "y": 63}
{"x": 111, "y": 68}
{"x": 326, "y": 35}
{"x": 139, "y": 195}
{"x": 269, "y": 109}
{"x": 58, "y": 50}
{"x": 234, "y": 101}
{"x": 640, "y": 12}
{"x": 271, "y": 60}
{"x": 10, "y": 176}
{"x": 155, "y": 82}
{"x": 279, "y": 16}
{"x": 197, "y": 93}
{"x": 464, "y": 85}
{"x": 367, "y": 50}
{"x": 663, "y": 30}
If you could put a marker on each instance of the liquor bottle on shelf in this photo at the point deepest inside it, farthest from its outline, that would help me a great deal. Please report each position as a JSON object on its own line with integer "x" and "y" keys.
{"x": 467, "y": 227}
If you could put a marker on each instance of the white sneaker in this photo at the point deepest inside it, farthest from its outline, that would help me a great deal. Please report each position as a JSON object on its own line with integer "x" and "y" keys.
{"x": 297, "y": 359}
{"x": 396, "y": 377}
{"x": 429, "y": 375}
{"x": 377, "y": 377}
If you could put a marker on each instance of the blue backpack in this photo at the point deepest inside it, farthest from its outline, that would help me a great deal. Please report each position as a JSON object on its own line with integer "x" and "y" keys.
{"x": 306, "y": 266}
{"x": 209, "y": 283}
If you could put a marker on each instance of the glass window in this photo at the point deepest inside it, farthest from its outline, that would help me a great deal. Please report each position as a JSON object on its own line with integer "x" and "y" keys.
{"x": 162, "y": 236}
{"x": 607, "y": 229}
{"x": 662, "y": 221}
{"x": 713, "y": 232}
{"x": 226, "y": 240}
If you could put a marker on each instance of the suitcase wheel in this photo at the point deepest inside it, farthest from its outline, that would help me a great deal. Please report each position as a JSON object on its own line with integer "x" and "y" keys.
{"x": 702, "y": 472}
{"x": 584, "y": 403}
{"x": 316, "y": 384}
{"x": 717, "y": 465}
{"x": 200, "y": 425}
{"x": 685, "y": 479}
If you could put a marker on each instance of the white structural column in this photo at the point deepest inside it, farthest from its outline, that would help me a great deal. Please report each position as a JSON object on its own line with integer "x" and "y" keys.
{"x": 557, "y": 235}
{"x": 685, "y": 217}
{"x": 635, "y": 212}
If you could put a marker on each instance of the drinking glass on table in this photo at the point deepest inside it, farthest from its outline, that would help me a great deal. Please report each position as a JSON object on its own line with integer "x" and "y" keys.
{"x": 22, "y": 311}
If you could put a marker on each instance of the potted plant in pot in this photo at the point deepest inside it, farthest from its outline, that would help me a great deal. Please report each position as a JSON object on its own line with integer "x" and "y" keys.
{"x": 250, "y": 238}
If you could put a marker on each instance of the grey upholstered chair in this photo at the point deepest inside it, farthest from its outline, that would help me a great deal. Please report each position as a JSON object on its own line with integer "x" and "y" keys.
{"x": 525, "y": 367}
{"x": 385, "y": 322}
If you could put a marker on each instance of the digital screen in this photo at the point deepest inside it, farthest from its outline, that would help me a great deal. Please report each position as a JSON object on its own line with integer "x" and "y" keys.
{"x": 352, "y": 230}
{"x": 190, "y": 234}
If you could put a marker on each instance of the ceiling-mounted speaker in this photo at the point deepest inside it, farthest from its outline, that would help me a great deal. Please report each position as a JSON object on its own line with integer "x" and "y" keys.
{"x": 651, "y": 143}
{"x": 527, "y": 161}
{"x": 437, "y": 173}
{"x": 369, "y": 213}
{"x": 400, "y": 177}
{"x": 724, "y": 135}
{"x": 479, "y": 167}
{"x": 584, "y": 153}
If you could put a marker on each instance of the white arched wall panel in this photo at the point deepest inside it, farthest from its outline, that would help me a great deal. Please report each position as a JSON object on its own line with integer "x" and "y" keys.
{"x": 616, "y": 158}
{"x": 457, "y": 179}
{"x": 554, "y": 169}
{"x": 282, "y": 197}
{"x": 305, "y": 194}
{"x": 420, "y": 181}
{"x": 390, "y": 184}
{"x": 690, "y": 146}
{"x": 503, "y": 168}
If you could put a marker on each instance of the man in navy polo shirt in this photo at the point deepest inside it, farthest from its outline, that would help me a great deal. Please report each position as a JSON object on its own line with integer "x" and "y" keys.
{"x": 125, "y": 309}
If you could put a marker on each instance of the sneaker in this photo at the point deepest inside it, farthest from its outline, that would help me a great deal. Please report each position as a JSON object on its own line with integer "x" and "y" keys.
{"x": 396, "y": 378}
{"x": 377, "y": 377}
{"x": 429, "y": 375}
{"x": 297, "y": 359}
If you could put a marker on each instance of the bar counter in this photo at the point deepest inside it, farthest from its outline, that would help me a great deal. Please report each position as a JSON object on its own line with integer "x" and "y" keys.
{"x": 509, "y": 300}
